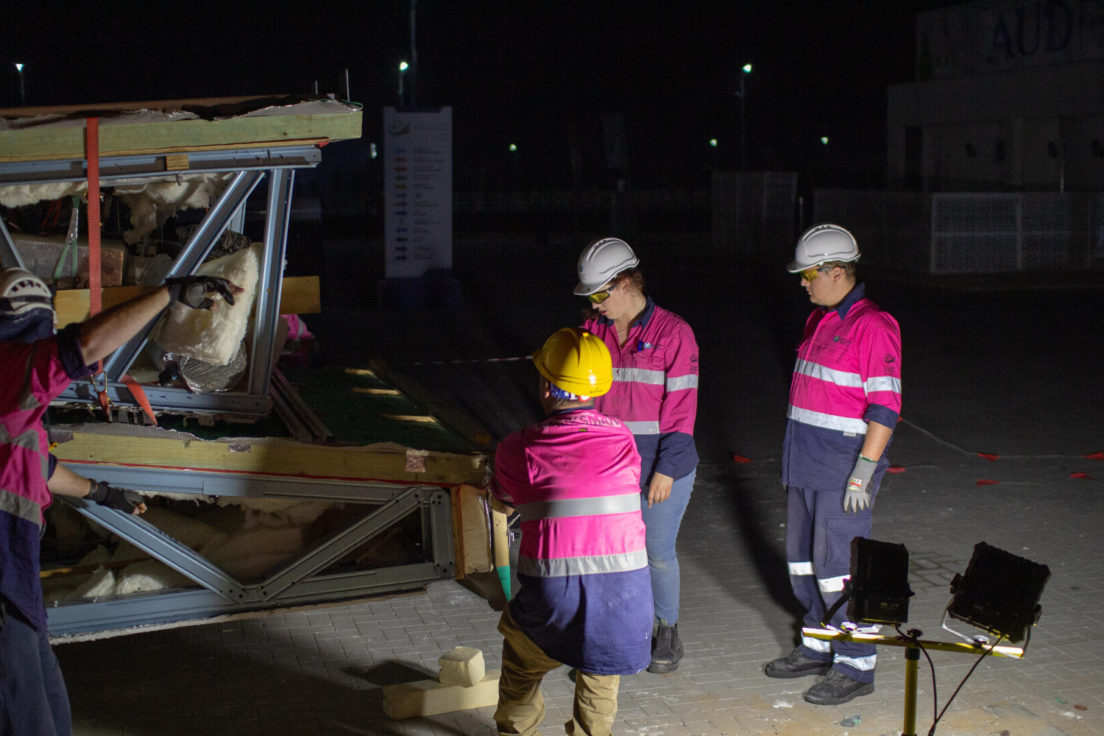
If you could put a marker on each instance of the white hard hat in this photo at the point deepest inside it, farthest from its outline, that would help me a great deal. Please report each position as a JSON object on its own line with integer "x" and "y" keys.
{"x": 21, "y": 293}
{"x": 821, "y": 244}
{"x": 601, "y": 261}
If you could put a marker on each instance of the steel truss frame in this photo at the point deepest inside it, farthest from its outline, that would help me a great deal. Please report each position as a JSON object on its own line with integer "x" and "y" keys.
{"x": 248, "y": 166}
{"x": 301, "y": 580}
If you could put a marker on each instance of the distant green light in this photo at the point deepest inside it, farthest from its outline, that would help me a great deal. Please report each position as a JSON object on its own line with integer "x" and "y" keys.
{"x": 403, "y": 66}
{"x": 713, "y": 142}
{"x": 747, "y": 68}
{"x": 513, "y": 147}
{"x": 824, "y": 139}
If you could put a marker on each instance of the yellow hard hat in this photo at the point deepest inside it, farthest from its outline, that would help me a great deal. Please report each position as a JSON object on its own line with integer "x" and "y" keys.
{"x": 576, "y": 361}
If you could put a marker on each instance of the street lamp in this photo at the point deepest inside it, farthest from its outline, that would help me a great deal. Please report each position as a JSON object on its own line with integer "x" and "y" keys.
{"x": 403, "y": 66}
{"x": 22, "y": 91}
{"x": 744, "y": 71}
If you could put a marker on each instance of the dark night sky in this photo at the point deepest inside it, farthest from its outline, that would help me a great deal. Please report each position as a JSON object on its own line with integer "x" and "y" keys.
{"x": 540, "y": 74}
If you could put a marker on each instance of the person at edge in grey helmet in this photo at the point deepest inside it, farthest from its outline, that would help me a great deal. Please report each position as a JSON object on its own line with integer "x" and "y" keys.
{"x": 845, "y": 400}
{"x": 38, "y": 365}
{"x": 655, "y": 393}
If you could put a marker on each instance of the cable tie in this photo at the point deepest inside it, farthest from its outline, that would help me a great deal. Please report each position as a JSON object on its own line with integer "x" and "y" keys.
{"x": 895, "y": 469}
{"x": 740, "y": 458}
{"x": 992, "y": 457}
{"x": 987, "y": 482}
{"x": 1081, "y": 476}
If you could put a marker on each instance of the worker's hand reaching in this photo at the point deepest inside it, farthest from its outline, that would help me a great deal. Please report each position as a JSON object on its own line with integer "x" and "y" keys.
{"x": 857, "y": 496}
{"x": 193, "y": 290}
{"x": 122, "y": 499}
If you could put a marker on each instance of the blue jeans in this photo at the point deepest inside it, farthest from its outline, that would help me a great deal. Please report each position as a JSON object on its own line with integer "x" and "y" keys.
{"x": 662, "y": 521}
{"x": 33, "y": 699}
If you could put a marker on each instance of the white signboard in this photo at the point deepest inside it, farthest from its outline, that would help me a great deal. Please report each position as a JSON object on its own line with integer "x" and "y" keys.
{"x": 417, "y": 191}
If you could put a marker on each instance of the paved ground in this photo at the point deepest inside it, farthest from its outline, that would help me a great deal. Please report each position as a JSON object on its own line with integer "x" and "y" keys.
{"x": 1011, "y": 372}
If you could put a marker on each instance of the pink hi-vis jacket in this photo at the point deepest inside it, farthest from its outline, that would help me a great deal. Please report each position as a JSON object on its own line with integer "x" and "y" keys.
{"x": 848, "y": 373}
{"x": 655, "y": 388}
{"x": 34, "y": 373}
{"x": 586, "y": 596}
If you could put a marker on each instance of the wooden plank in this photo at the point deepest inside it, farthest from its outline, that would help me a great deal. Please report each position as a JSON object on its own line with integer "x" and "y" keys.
{"x": 300, "y": 295}
{"x": 124, "y": 136}
{"x": 469, "y": 531}
{"x": 269, "y": 456}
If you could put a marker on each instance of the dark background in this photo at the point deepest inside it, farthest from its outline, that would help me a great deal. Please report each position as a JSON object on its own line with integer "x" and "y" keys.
{"x": 538, "y": 74}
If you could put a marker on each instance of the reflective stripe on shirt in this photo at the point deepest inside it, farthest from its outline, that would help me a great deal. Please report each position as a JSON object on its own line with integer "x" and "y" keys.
{"x": 643, "y": 427}
{"x": 590, "y": 565}
{"x": 638, "y": 375}
{"x": 567, "y": 507}
{"x": 831, "y": 375}
{"x": 20, "y": 507}
{"x": 826, "y": 421}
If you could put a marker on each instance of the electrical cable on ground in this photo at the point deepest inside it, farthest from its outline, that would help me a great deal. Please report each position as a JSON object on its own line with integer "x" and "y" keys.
{"x": 992, "y": 456}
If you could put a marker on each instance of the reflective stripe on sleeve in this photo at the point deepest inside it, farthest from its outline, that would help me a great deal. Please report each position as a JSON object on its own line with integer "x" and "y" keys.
{"x": 826, "y": 421}
{"x": 595, "y": 565}
{"x": 681, "y": 383}
{"x": 801, "y": 568}
{"x": 596, "y": 506}
{"x": 832, "y": 585}
{"x": 643, "y": 427}
{"x": 882, "y": 383}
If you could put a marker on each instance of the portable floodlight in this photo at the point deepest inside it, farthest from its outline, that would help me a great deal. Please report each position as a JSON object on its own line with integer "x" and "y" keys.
{"x": 999, "y": 593}
{"x": 879, "y": 582}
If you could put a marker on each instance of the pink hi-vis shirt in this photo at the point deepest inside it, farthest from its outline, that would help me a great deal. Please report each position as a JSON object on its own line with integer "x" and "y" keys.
{"x": 848, "y": 373}
{"x": 34, "y": 373}
{"x": 655, "y": 388}
{"x": 586, "y": 596}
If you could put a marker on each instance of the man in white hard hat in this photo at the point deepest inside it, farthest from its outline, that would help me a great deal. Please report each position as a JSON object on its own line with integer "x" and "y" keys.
{"x": 38, "y": 365}
{"x": 845, "y": 400}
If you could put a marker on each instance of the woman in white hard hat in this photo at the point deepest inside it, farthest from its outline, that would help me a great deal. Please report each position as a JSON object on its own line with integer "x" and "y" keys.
{"x": 655, "y": 393}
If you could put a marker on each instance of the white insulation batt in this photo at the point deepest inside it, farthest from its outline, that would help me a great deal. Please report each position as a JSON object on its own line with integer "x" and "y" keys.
{"x": 213, "y": 335}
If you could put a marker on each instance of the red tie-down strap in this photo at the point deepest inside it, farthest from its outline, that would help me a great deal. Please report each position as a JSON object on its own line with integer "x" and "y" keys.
{"x": 95, "y": 283}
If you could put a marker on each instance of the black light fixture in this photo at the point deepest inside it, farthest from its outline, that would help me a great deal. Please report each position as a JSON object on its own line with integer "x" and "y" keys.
{"x": 999, "y": 593}
{"x": 879, "y": 582}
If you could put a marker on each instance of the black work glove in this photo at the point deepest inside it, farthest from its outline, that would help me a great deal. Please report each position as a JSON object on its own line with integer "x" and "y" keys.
{"x": 115, "y": 498}
{"x": 193, "y": 290}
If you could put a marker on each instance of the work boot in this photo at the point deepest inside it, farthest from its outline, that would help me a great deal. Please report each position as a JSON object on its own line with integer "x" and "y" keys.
{"x": 666, "y": 650}
{"x": 837, "y": 688}
{"x": 796, "y": 664}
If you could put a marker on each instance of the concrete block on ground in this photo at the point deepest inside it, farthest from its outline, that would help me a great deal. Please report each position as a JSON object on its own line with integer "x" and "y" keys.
{"x": 463, "y": 666}
{"x": 430, "y": 697}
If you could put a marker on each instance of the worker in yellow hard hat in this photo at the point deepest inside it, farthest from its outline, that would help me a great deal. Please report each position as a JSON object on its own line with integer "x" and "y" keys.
{"x": 585, "y": 598}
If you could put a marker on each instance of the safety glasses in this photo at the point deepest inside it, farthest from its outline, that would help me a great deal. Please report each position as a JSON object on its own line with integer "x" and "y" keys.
{"x": 811, "y": 273}
{"x": 601, "y": 296}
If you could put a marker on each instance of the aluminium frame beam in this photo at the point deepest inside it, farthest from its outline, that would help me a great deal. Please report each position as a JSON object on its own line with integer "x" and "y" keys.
{"x": 300, "y": 580}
